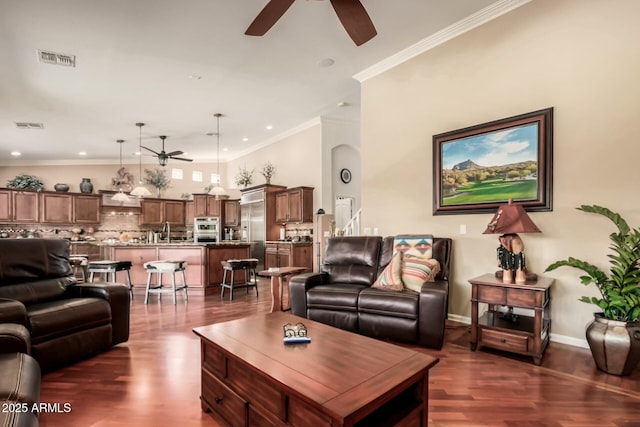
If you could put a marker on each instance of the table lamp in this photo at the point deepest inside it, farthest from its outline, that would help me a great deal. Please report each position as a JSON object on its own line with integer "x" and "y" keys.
{"x": 508, "y": 221}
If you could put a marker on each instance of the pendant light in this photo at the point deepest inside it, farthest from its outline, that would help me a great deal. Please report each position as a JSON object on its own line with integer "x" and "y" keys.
{"x": 140, "y": 190}
{"x": 120, "y": 196}
{"x": 217, "y": 190}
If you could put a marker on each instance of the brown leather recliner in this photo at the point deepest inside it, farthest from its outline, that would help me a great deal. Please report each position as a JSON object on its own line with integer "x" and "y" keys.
{"x": 341, "y": 294}
{"x": 66, "y": 321}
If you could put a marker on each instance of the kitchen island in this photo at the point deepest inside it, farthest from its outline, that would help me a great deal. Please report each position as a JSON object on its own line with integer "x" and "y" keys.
{"x": 204, "y": 269}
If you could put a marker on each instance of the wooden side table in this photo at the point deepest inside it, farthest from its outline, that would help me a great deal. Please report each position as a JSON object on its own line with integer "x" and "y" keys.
{"x": 523, "y": 334}
{"x": 276, "y": 283}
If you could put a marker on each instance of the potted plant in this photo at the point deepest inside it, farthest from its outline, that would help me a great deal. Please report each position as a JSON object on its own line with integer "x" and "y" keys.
{"x": 268, "y": 171}
{"x": 614, "y": 334}
{"x": 244, "y": 177}
{"x": 25, "y": 182}
{"x": 158, "y": 178}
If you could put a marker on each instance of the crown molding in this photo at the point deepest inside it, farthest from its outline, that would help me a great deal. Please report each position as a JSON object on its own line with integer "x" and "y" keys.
{"x": 479, "y": 18}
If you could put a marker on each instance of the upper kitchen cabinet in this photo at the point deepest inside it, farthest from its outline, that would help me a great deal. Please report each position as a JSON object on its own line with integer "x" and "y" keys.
{"x": 159, "y": 211}
{"x": 49, "y": 207}
{"x": 6, "y": 213}
{"x": 56, "y": 208}
{"x": 231, "y": 213}
{"x": 19, "y": 206}
{"x": 174, "y": 212}
{"x": 206, "y": 205}
{"x": 294, "y": 205}
{"x": 86, "y": 208}
{"x": 189, "y": 212}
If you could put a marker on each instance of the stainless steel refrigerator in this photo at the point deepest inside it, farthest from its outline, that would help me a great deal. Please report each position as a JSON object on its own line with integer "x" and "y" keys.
{"x": 253, "y": 227}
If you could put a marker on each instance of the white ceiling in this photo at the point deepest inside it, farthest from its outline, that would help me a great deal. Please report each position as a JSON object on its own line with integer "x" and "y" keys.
{"x": 137, "y": 59}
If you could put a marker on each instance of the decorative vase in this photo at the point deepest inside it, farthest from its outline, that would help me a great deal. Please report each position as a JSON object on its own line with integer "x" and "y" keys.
{"x": 63, "y": 188}
{"x": 86, "y": 186}
{"x": 615, "y": 345}
{"x": 268, "y": 180}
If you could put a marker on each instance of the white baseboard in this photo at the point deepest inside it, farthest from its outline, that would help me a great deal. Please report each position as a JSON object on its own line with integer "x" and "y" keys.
{"x": 562, "y": 339}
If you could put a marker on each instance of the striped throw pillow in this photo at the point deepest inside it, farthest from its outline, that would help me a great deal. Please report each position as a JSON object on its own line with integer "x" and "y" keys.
{"x": 416, "y": 271}
{"x": 390, "y": 279}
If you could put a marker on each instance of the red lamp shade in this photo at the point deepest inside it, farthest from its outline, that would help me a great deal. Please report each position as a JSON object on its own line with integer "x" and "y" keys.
{"x": 511, "y": 219}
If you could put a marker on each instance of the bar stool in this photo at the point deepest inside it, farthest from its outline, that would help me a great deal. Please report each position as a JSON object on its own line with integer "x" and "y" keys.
{"x": 79, "y": 264}
{"x": 106, "y": 267}
{"x": 248, "y": 265}
{"x": 160, "y": 267}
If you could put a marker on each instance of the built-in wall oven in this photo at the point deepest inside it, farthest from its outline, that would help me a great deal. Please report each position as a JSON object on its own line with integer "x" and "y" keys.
{"x": 206, "y": 229}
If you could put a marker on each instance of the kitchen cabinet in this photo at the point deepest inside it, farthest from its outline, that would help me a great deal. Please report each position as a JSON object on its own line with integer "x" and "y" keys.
{"x": 294, "y": 205}
{"x": 86, "y": 208}
{"x": 189, "y": 212}
{"x": 68, "y": 208}
{"x": 231, "y": 213}
{"x": 6, "y": 204}
{"x": 151, "y": 212}
{"x": 159, "y": 211}
{"x": 19, "y": 206}
{"x": 206, "y": 205}
{"x": 288, "y": 254}
{"x": 174, "y": 212}
{"x": 138, "y": 255}
{"x": 56, "y": 208}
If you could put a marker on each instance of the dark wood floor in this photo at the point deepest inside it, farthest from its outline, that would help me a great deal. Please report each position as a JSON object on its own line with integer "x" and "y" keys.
{"x": 154, "y": 378}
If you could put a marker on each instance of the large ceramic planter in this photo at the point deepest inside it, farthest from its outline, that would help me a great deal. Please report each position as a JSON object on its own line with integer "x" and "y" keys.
{"x": 615, "y": 345}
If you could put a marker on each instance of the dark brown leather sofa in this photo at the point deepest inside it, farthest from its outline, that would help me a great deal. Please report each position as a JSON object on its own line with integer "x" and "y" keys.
{"x": 66, "y": 321}
{"x": 341, "y": 294}
{"x": 19, "y": 378}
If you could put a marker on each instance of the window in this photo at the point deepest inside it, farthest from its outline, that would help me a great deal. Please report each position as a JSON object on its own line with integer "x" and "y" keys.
{"x": 196, "y": 176}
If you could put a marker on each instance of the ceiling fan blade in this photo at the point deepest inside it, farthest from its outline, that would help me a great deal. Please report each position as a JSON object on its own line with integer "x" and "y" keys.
{"x": 181, "y": 158}
{"x": 268, "y": 16}
{"x": 355, "y": 20}
{"x": 174, "y": 153}
{"x": 154, "y": 152}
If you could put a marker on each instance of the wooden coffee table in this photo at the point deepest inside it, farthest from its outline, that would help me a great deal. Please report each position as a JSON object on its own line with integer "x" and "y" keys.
{"x": 251, "y": 378}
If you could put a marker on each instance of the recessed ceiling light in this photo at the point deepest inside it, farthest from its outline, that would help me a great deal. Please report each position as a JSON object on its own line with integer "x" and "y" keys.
{"x": 326, "y": 62}
{"x": 225, "y": 149}
{"x": 82, "y": 153}
{"x": 269, "y": 127}
{"x": 245, "y": 139}
{"x": 194, "y": 77}
{"x": 15, "y": 153}
{"x": 342, "y": 104}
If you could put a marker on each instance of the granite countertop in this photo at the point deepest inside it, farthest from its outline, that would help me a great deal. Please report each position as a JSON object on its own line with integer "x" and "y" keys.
{"x": 289, "y": 242}
{"x": 179, "y": 244}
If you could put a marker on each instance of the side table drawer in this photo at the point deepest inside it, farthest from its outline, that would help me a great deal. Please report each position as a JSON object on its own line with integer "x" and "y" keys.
{"x": 505, "y": 341}
{"x": 521, "y": 298}
{"x": 492, "y": 295}
{"x": 223, "y": 400}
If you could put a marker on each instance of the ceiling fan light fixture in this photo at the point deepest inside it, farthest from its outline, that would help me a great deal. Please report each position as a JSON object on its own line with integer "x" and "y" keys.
{"x": 140, "y": 191}
{"x": 120, "y": 196}
{"x": 218, "y": 190}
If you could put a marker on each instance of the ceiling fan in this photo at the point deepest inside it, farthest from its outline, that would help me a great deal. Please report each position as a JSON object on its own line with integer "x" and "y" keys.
{"x": 352, "y": 14}
{"x": 163, "y": 157}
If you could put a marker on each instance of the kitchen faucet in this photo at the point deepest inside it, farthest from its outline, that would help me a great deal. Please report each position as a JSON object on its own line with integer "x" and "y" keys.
{"x": 167, "y": 227}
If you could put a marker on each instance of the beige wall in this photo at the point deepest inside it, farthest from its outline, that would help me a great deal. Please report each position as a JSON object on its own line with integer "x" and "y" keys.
{"x": 296, "y": 158}
{"x": 101, "y": 176}
{"x": 580, "y": 57}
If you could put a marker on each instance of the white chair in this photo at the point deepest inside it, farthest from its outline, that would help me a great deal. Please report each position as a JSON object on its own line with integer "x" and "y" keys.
{"x": 160, "y": 267}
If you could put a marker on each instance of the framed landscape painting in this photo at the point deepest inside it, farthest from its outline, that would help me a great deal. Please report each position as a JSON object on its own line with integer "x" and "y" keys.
{"x": 478, "y": 168}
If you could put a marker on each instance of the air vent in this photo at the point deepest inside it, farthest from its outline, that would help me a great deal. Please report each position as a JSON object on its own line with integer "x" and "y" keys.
{"x": 56, "y": 58}
{"x": 26, "y": 125}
